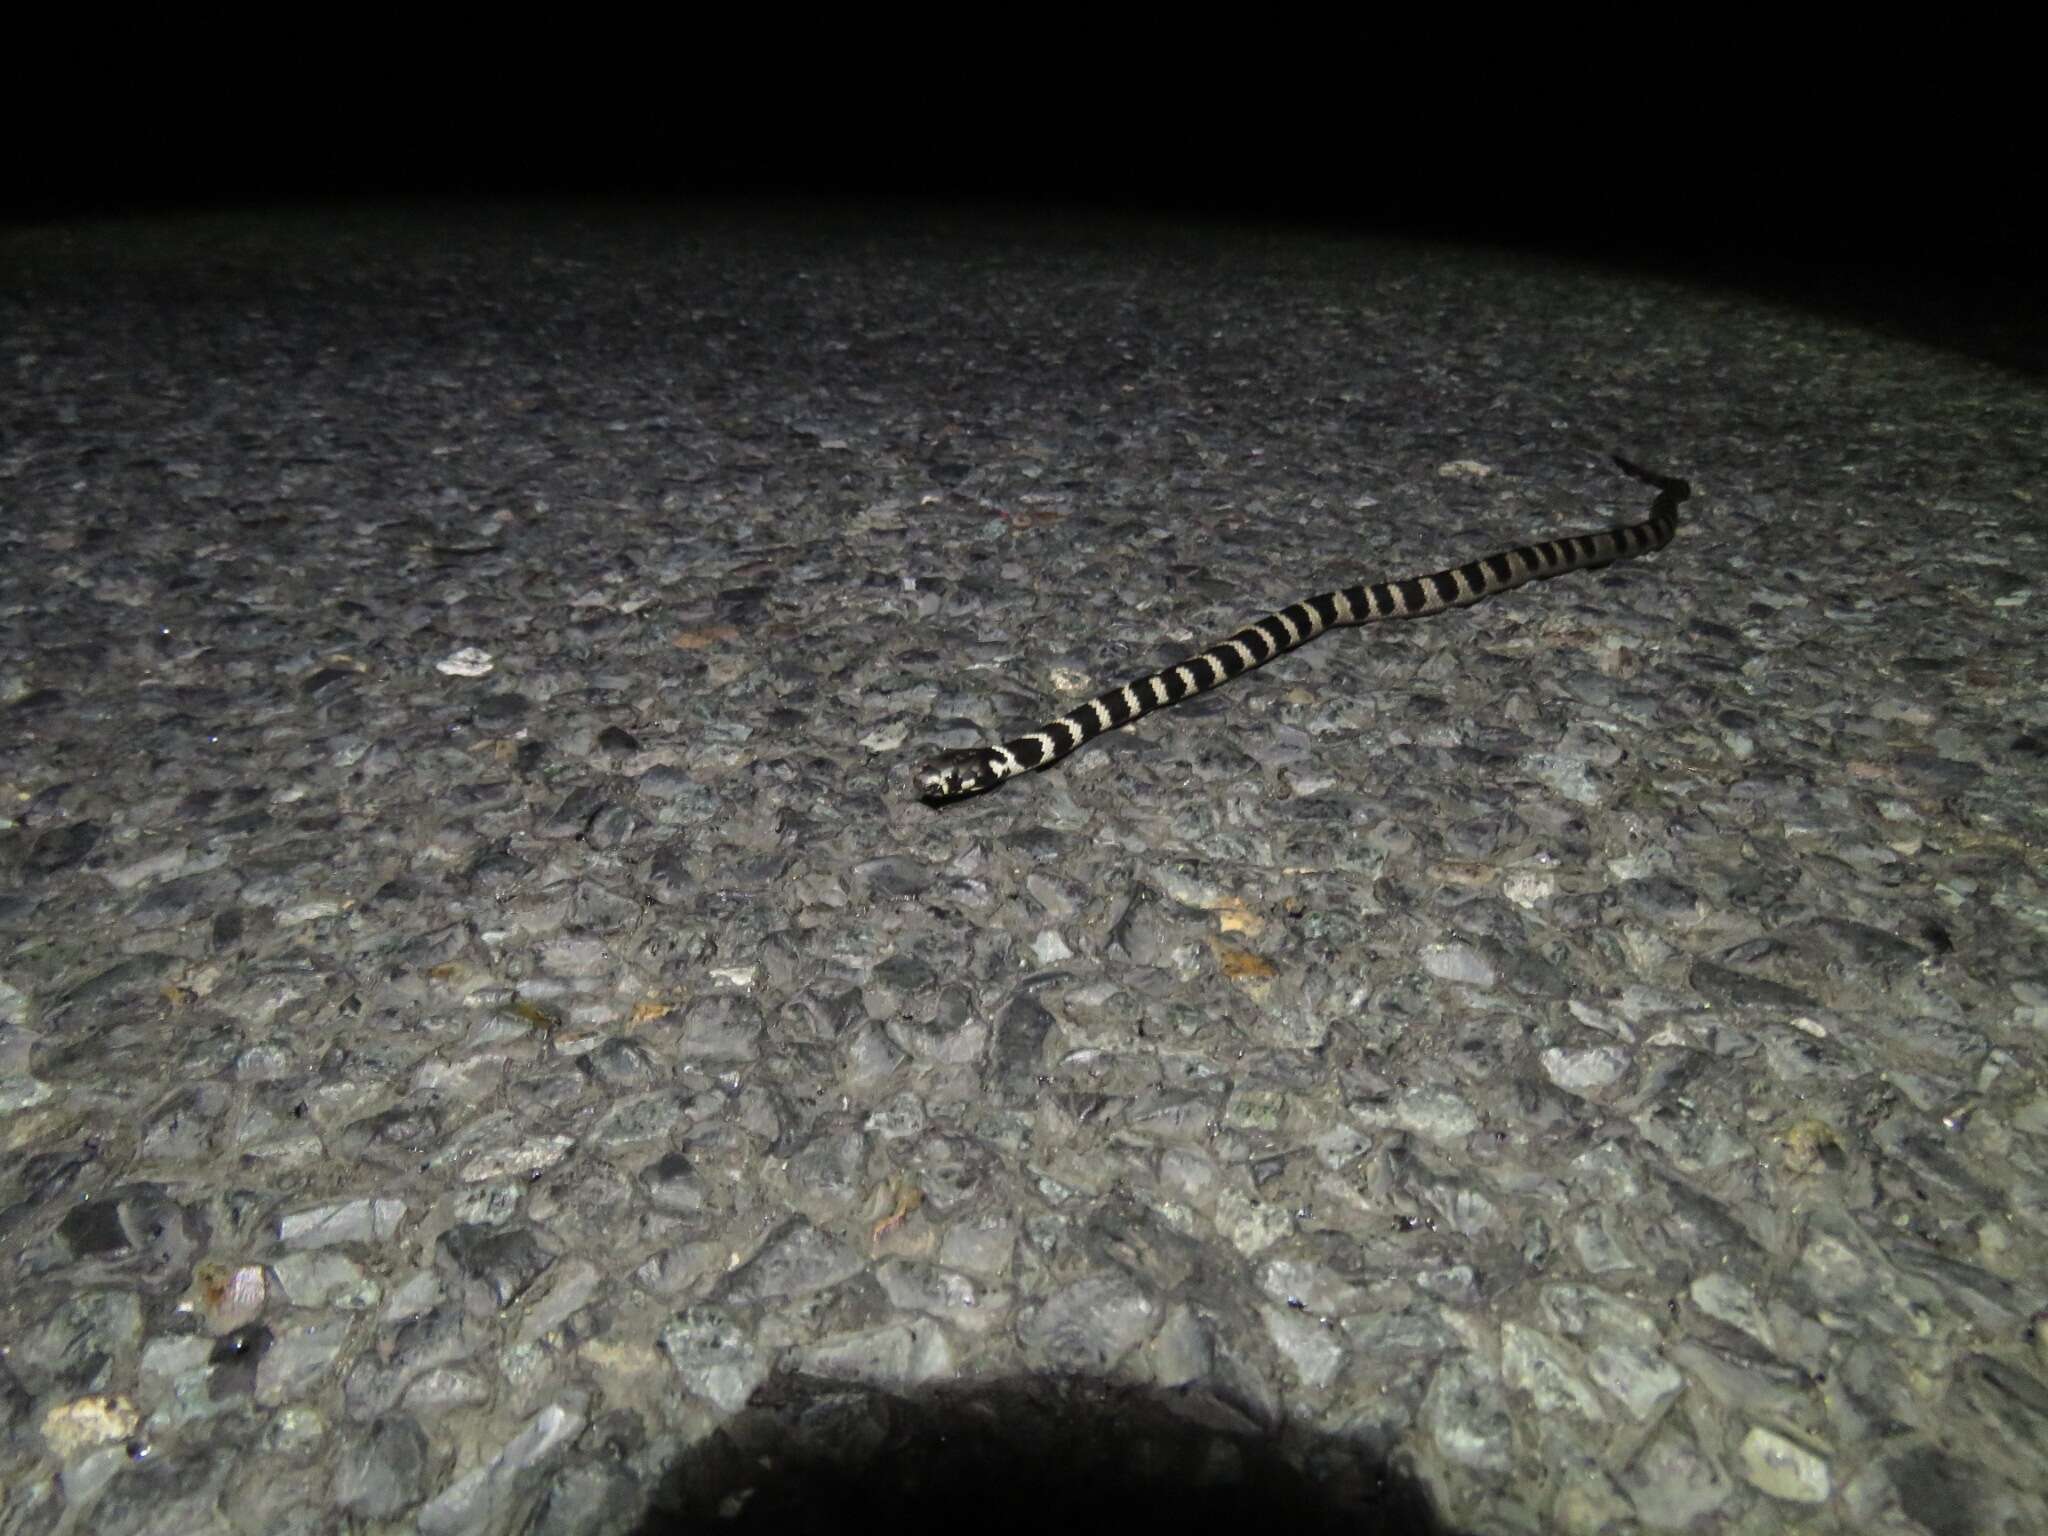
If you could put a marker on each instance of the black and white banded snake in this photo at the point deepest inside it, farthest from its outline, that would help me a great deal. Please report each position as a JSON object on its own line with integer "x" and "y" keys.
{"x": 967, "y": 771}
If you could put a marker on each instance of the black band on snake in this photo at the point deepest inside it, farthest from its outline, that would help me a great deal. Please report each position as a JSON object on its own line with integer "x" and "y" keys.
{"x": 957, "y": 774}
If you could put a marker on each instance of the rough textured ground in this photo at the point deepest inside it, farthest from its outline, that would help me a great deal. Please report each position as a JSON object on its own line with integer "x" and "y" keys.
{"x": 489, "y": 1043}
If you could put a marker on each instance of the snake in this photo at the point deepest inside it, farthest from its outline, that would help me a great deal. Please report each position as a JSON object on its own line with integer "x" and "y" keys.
{"x": 961, "y": 773}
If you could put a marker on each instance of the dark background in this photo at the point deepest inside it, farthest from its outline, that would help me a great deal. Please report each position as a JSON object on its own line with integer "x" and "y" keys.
{"x": 1906, "y": 202}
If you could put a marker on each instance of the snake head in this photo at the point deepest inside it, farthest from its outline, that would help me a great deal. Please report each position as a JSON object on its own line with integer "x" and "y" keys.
{"x": 954, "y": 775}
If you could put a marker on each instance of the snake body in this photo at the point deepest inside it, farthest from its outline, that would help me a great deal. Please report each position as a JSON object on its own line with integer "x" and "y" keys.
{"x": 963, "y": 772}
